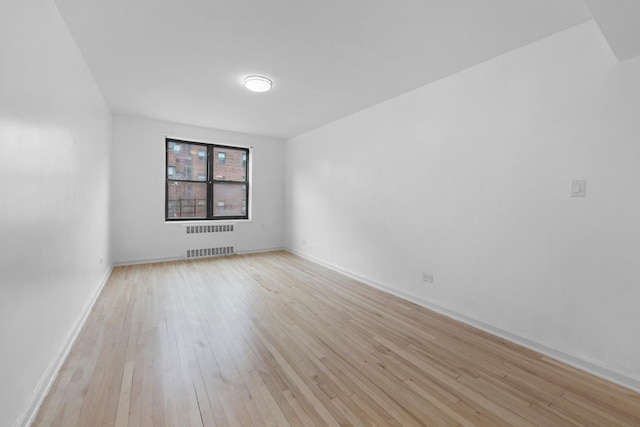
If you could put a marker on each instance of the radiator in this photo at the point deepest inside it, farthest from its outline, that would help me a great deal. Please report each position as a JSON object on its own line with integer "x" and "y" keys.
{"x": 198, "y": 229}
{"x": 209, "y": 240}
{"x": 210, "y": 252}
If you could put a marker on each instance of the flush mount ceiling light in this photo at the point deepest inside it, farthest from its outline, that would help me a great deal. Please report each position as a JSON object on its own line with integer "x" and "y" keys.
{"x": 257, "y": 83}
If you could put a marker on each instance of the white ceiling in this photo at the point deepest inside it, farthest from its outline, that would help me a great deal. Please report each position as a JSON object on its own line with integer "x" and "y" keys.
{"x": 184, "y": 60}
{"x": 619, "y": 21}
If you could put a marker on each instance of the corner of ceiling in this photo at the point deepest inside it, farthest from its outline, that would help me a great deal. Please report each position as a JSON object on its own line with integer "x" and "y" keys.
{"x": 619, "y": 23}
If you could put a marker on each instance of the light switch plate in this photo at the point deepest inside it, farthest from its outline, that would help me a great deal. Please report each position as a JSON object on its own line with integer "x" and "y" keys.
{"x": 578, "y": 188}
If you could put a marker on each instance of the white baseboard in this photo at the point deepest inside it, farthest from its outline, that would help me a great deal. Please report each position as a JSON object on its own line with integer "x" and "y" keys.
{"x": 182, "y": 258}
{"x": 29, "y": 413}
{"x": 147, "y": 261}
{"x": 576, "y": 362}
{"x": 258, "y": 251}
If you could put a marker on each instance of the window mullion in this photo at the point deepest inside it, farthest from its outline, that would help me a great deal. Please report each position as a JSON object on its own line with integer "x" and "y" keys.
{"x": 210, "y": 182}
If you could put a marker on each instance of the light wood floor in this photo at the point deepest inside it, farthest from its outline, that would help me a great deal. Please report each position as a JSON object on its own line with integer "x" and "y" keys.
{"x": 271, "y": 339}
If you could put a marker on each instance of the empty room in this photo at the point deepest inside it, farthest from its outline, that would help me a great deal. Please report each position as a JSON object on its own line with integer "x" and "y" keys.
{"x": 330, "y": 213}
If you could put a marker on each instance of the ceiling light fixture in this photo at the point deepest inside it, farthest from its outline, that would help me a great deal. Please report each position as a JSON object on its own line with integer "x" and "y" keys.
{"x": 257, "y": 83}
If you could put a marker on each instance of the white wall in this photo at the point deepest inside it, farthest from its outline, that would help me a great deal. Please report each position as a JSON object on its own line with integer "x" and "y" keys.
{"x": 469, "y": 179}
{"x": 140, "y": 232}
{"x": 54, "y": 225}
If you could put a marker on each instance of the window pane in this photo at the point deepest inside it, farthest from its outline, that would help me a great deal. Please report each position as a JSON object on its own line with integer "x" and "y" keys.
{"x": 229, "y": 199}
{"x": 233, "y": 168}
{"x": 196, "y": 171}
{"x": 186, "y": 200}
{"x": 186, "y": 163}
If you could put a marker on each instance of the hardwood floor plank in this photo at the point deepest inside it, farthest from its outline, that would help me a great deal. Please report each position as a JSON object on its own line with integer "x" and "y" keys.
{"x": 271, "y": 339}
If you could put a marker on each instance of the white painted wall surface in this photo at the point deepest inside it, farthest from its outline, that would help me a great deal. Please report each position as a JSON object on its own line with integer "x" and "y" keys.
{"x": 140, "y": 232}
{"x": 469, "y": 179}
{"x": 54, "y": 198}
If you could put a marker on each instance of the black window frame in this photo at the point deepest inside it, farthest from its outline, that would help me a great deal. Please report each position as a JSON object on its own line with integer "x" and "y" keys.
{"x": 211, "y": 181}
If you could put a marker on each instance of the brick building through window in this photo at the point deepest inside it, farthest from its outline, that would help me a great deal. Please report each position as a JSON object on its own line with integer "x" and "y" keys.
{"x": 206, "y": 181}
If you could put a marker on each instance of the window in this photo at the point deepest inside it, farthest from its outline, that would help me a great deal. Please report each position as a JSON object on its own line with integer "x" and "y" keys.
{"x": 200, "y": 189}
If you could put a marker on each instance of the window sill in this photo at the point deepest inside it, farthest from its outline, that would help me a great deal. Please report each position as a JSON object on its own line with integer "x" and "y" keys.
{"x": 207, "y": 221}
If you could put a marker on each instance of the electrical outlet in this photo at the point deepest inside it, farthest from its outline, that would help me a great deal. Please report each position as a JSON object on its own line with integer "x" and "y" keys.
{"x": 426, "y": 277}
